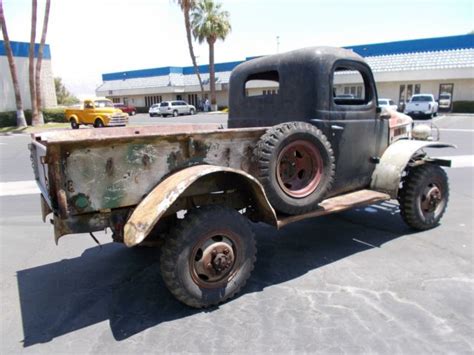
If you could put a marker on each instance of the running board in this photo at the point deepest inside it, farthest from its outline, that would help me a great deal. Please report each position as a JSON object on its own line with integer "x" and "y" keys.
{"x": 337, "y": 204}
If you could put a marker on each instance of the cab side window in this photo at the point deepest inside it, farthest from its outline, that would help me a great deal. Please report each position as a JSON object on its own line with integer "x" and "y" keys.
{"x": 350, "y": 85}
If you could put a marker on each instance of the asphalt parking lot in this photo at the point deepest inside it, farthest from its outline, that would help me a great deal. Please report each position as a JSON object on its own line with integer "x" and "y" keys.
{"x": 354, "y": 282}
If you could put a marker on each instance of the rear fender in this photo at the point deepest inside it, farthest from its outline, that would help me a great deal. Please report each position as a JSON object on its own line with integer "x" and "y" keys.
{"x": 154, "y": 206}
{"x": 73, "y": 117}
{"x": 388, "y": 172}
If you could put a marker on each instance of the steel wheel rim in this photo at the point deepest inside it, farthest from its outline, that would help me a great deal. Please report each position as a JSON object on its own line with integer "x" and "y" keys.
{"x": 299, "y": 168}
{"x": 214, "y": 260}
{"x": 431, "y": 200}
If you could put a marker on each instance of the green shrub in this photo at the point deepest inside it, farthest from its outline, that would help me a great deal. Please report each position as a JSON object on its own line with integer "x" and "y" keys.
{"x": 8, "y": 119}
{"x": 463, "y": 106}
{"x": 53, "y": 115}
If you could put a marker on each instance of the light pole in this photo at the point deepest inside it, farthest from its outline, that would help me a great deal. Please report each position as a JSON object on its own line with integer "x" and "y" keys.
{"x": 278, "y": 44}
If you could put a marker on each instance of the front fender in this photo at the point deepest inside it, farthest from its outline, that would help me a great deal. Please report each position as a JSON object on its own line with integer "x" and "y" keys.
{"x": 388, "y": 172}
{"x": 147, "y": 214}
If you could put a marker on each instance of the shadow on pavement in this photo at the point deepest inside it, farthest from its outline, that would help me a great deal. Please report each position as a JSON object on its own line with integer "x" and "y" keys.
{"x": 124, "y": 286}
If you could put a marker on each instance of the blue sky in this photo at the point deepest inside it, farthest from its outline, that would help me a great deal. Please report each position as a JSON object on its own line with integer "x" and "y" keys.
{"x": 91, "y": 37}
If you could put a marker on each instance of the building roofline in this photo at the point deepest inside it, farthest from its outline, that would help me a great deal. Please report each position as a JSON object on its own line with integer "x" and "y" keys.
{"x": 415, "y": 45}
{"x": 365, "y": 50}
{"x": 21, "y": 49}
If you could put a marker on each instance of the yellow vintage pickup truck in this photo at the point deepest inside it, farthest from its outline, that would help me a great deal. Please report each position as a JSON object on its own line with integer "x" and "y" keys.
{"x": 97, "y": 112}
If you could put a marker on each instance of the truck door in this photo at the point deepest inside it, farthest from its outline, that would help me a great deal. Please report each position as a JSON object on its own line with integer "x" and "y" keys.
{"x": 357, "y": 134}
{"x": 88, "y": 114}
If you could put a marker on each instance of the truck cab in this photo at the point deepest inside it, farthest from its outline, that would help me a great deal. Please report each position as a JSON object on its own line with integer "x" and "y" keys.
{"x": 331, "y": 88}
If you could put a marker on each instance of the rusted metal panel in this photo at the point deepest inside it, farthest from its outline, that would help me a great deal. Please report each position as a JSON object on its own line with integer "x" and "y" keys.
{"x": 338, "y": 204}
{"x": 126, "y": 133}
{"x": 117, "y": 167}
{"x": 158, "y": 201}
{"x": 80, "y": 224}
{"x": 388, "y": 173}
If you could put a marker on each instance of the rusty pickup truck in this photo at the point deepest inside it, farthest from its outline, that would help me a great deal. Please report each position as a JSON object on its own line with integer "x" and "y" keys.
{"x": 295, "y": 148}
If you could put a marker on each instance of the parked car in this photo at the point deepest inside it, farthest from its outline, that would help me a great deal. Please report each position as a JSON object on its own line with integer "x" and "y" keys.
{"x": 176, "y": 108}
{"x": 154, "y": 110}
{"x": 389, "y": 103}
{"x": 422, "y": 105}
{"x": 130, "y": 109}
{"x": 96, "y": 112}
{"x": 445, "y": 101}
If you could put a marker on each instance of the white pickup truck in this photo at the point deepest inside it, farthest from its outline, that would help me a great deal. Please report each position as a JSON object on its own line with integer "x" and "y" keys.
{"x": 422, "y": 105}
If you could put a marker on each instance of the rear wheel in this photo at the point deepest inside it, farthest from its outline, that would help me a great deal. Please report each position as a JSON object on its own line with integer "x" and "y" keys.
{"x": 424, "y": 196}
{"x": 74, "y": 124}
{"x": 209, "y": 256}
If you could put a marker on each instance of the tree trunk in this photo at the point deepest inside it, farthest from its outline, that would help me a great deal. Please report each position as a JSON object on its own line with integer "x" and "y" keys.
{"x": 39, "y": 61}
{"x": 191, "y": 49}
{"x": 20, "y": 115}
{"x": 31, "y": 67}
{"x": 212, "y": 80}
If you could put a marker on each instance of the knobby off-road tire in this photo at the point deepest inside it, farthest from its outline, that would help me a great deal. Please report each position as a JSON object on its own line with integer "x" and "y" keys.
{"x": 295, "y": 164}
{"x": 424, "y": 196}
{"x": 208, "y": 256}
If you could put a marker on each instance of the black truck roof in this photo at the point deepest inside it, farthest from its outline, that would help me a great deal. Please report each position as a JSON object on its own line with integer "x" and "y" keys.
{"x": 304, "y": 79}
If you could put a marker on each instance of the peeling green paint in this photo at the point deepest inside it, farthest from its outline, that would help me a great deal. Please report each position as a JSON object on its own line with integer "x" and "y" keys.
{"x": 113, "y": 195}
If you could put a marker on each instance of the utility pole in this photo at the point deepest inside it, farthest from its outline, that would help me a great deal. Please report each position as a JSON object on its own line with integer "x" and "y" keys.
{"x": 278, "y": 44}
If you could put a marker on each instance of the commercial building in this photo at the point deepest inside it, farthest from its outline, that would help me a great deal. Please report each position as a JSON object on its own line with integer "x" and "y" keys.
{"x": 20, "y": 54}
{"x": 401, "y": 69}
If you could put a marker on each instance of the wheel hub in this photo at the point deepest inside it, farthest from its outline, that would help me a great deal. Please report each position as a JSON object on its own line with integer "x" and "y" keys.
{"x": 299, "y": 168}
{"x": 216, "y": 261}
{"x": 431, "y": 199}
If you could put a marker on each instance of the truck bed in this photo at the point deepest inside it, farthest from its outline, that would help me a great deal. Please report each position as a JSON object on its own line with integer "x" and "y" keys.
{"x": 90, "y": 170}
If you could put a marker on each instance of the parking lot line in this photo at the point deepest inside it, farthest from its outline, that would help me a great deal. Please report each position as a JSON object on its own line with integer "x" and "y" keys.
{"x": 15, "y": 188}
{"x": 461, "y": 161}
{"x": 456, "y": 130}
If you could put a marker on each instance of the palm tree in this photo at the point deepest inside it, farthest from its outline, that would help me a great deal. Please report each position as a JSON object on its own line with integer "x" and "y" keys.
{"x": 209, "y": 24}
{"x": 31, "y": 64}
{"x": 20, "y": 114}
{"x": 39, "y": 61}
{"x": 186, "y": 7}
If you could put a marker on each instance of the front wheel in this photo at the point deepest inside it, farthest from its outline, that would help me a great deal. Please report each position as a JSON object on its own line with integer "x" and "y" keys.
{"x": 98, "y": 123}
{"x": 191, "y": 112}
{"x": 209, "y": 256}
{"x": 175, "y": 113}
{"x": 424, "y": 196}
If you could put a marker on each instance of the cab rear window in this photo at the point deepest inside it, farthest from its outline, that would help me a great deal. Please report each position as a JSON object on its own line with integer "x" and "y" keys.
{"x": 421, "y": 99}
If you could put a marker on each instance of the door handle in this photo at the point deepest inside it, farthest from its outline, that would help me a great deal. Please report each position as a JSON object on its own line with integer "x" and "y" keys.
{"x": 337, "y": 128}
